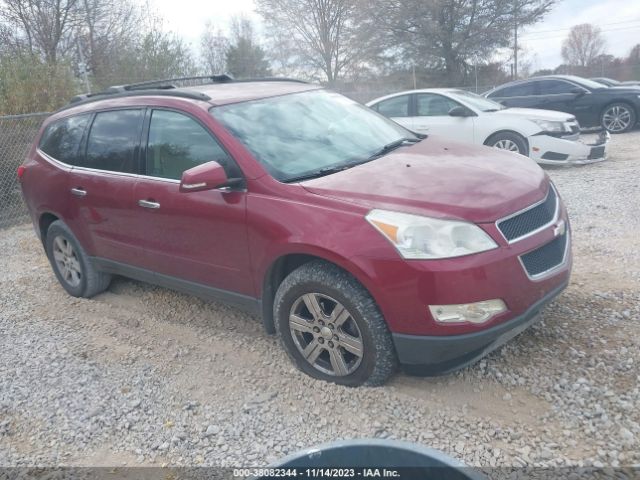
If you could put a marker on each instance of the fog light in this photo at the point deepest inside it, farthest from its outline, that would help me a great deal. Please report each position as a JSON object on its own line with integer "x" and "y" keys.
{"x": 478, "y": 312}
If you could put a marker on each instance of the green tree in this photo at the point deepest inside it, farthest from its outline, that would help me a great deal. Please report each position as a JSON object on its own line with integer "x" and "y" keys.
{"x": 446, "y": 35}
{"x": 245, "y": 58}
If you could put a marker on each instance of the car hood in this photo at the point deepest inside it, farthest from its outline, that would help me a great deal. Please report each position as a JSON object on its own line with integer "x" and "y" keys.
{"x": 440, "y": 178}
{"x": 536, "y": 114}
{"x": 623, "y": 89}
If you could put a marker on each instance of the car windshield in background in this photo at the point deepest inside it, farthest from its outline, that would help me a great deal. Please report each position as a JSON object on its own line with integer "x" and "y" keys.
{"x": 476, "y": 101}
{"x": 301, "y": 134}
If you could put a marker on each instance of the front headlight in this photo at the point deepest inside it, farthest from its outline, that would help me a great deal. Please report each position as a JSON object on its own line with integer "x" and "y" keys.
{"x": 417, "y": 237}
{"x": 556, "y": 127}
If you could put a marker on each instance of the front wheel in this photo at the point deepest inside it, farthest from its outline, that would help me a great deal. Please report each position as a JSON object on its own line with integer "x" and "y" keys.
{"x": 331, "y": 328}
{"x": 511, "y": 142}
{"x": 618, "y": 118}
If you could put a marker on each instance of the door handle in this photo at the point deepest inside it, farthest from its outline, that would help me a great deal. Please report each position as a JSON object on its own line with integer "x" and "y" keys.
{"x": 422, "y": 127}
{"x": 148, "y": 204}
{"x": 79, "y": 192}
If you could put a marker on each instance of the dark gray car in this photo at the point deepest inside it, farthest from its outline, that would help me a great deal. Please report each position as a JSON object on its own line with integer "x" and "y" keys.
{"x": 616, "y": 108}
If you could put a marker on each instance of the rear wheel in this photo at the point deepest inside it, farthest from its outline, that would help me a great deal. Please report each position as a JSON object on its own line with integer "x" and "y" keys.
{"x": 71, "y": 264}
{"x": 331, "y": 328}
{"x": 511, "y": 142}
{"x": 618, "y": 118}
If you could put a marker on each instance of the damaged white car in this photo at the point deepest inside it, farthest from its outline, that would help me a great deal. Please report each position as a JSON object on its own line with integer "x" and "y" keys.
{"x": 546, "y": 136}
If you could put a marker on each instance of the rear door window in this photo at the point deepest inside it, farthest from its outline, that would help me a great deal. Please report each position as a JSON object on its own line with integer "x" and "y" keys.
{"x": 61, "y": 140}
{"x": 177, "y": 143}
{"x": 552, "y": 87}
{"x": 519, "y": 90}
{"x": 433, "y": 105}
{"x": 113, "y": 141}
{"x": 394, "y": 107}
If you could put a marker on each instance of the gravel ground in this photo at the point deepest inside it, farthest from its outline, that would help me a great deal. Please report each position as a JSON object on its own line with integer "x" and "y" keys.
{"x": 142, "y": 375}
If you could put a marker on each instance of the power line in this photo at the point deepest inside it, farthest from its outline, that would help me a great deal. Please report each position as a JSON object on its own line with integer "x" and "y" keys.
{"x": 547, "y": 37}
{"x": 569, "y": 28}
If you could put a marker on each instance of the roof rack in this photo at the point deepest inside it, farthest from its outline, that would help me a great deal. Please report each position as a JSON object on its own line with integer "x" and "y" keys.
{"x": 169, "y": 83}
{"x": 168, "y": 87}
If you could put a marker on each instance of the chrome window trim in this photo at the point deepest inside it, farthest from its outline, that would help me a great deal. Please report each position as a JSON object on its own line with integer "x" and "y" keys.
{"x": 547, "y": 273}
{"x": 556, "y": 214}
{"x": 58, "y": 163}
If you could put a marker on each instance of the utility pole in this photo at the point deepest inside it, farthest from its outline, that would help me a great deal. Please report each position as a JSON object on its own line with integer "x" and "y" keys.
{"x": 414, "y": 76}
{"x": 515, "y": 48}
{"x": 475, "y": 68}
{"x": 83, "y": 67}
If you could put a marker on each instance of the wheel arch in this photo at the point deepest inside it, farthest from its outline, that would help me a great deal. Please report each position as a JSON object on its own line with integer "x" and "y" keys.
{"x": 510, "y": 131}
{"x": 44, "y": 221}
{"x": 286, "y": 263}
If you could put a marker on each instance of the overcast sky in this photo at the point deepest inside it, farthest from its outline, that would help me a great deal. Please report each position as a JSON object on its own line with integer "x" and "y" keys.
{"x": 619, "y": 20}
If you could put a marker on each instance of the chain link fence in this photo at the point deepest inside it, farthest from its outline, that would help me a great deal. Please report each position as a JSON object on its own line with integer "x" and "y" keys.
{"x": 16, "y": 134}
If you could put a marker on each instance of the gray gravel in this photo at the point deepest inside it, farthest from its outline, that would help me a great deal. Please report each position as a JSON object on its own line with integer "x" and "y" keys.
{"x": 141, "y": 375}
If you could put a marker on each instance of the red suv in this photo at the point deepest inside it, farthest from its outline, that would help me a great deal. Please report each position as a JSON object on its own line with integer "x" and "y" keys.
{"x": 361, "y": 244}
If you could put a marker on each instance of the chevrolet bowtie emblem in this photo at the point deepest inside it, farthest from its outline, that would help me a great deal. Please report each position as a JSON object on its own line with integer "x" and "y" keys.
{"x": 559, "y": 229}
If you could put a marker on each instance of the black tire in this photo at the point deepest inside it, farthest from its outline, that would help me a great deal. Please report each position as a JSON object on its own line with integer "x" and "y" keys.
{"x": 609, "y": 112}
{"x": 518, "y": 140}
{"x": 378, "y": 360}
{"x": 91, "y": 280}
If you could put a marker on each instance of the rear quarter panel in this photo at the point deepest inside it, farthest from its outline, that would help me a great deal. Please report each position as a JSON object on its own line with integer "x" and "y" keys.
{"x": 44, "y": 185}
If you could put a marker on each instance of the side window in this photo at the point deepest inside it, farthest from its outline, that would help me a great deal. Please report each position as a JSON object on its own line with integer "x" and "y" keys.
{"x": 61, "y": 140}
{"x": 394, "y": 107}
{"x": 113, "y": 140}
{"x": 519, "y": 90}
{"x": 431, "y": 105}
{"x": 178, "y": 143}
{"x": 550, "y": 87}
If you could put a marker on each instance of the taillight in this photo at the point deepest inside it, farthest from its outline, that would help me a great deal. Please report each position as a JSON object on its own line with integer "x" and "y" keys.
{"x": 21, "y": 170}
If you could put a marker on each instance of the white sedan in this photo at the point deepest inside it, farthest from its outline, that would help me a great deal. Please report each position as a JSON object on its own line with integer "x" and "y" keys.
{"x": 546, "y": 136}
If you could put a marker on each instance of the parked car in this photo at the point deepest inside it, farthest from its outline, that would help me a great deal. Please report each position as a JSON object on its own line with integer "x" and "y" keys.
{"x": 361, "y": 244}
{"x": 616, "y": 109}
{"x": 546, "y": 136}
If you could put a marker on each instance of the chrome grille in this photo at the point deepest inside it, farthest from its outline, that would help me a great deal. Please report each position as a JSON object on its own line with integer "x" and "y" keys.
{"x": 547, "y": 257}
{"x": 530, "y": 220}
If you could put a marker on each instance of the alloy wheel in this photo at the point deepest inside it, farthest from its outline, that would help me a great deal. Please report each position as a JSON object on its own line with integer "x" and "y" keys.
{"x": 67, "y": 261}
{"x": 325, "y": 334}
{"x": 507, "y": 144}
{"x": 616, "y": 118}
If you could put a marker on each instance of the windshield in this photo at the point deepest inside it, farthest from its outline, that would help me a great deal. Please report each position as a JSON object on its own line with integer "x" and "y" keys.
{"x": 476, "y": 101}
{"x": 298, "y": 134}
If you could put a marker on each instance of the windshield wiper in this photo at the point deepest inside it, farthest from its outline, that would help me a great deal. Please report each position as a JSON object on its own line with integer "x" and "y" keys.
{"x": 393, "y": 145}
{"x": 320, "y": 172}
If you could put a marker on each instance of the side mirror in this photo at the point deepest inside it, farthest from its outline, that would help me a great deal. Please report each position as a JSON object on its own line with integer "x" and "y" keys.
{"x": 206, "y": 176}
{"x": 578, "y": 91}
{"x": 459, "y": 111}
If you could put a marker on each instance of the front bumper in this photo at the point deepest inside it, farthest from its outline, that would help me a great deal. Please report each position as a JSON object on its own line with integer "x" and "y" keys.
{"x": 549, "y": 150}
{"x": 439, "y": 355}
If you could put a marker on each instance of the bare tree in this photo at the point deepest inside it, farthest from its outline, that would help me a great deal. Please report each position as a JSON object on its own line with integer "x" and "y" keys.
{"x": 583, "y": 45}
{"x": 323, "y": 33}
{"x": 213, "y": 47}
{"x": 106, "y": 35}
{"x": 42, "y": 27}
